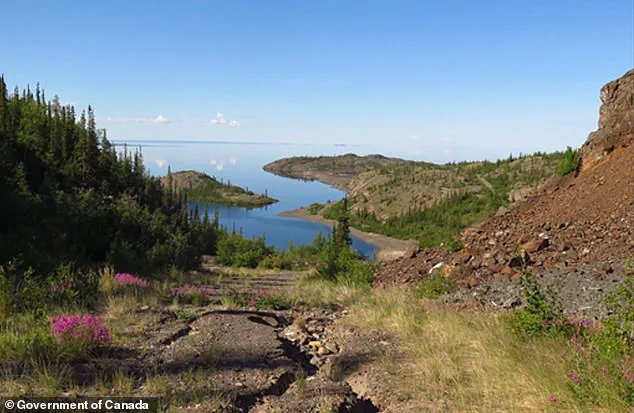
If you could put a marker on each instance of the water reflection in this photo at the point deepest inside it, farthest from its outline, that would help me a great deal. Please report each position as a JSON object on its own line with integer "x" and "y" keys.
{"x": 242, "y": 165}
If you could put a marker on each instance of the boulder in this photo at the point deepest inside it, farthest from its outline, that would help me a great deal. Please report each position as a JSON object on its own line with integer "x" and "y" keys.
{"x": 535, "y": 245}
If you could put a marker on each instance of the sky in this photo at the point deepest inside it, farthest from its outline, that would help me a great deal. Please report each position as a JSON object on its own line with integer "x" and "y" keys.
{"x": 434, "y": 80}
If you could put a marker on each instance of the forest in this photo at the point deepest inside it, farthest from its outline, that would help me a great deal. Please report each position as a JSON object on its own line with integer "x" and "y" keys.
{"x": 69, "y": 203}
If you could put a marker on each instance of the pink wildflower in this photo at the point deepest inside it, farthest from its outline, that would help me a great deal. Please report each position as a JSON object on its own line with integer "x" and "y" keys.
{"x": 87, "y": 329}
{"x": 575, "y": 378}
{"x": 129, "y": 279}
{"x": 552, "y": 399}
{"x": 190, "y": 290}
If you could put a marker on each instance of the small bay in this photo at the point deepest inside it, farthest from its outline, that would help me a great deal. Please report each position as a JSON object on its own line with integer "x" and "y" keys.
{"x": 241, "y": 164}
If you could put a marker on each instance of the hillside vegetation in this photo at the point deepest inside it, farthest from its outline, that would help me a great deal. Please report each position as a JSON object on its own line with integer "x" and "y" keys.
{"x": 201, "y": 187}
{"x": 68, "y": 201}
{"x": 433, "y": 203}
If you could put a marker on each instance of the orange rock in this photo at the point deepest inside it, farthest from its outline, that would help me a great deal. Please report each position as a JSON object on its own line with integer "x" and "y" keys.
{"x": 535, "y": 245}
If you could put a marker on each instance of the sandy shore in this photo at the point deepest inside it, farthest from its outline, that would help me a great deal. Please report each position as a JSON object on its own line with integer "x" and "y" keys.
{"x": 389, "y": 248}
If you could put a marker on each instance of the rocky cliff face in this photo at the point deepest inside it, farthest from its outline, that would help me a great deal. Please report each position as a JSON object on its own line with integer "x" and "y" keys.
{"x": 616, "y": 121}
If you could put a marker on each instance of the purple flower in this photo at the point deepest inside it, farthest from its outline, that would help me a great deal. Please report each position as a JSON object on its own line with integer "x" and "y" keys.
{"x": 552, "y": 399}
{"x": 575, "y": 378}
{"x": 129, "y": 279}
{"x": 190, "y": 291}
{"x": 629, "y": 376}
{"x": 86, "y": 329}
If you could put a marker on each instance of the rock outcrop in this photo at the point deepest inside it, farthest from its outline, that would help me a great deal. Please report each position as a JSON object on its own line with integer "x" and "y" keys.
{"x": 573, "y": 227}
{"x": 616, "y": 121}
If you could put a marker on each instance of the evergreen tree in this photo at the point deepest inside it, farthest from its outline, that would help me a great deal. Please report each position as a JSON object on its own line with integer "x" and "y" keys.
{"x": 66, "y": 197}
{"x": 341, "y": 231}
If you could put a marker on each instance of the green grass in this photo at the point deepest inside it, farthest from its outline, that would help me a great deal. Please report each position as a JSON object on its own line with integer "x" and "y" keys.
{"x": 273, "y": 302}
{"x": 434, "y": 287}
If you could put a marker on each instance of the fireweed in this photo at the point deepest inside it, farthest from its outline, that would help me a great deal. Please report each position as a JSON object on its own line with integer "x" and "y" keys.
{"x": 599, "y": 354}
{"x": 83, "y": 330}
{"x": 125, "y": 279}
{"x": 194, "y": 294}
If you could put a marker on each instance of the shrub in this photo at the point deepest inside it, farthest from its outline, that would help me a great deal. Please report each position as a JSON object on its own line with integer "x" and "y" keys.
{"x": 279, "y": 260}
{"x": 73, "y": 286}
{"x": 543, "y": 313}
{"x": 238, "y": 251}
{"x": 79, "y": 330}
{"x": 21, "y": 290}
{"x": 186, "y": 315}
{"x": 24, "y": 338}
{"x": 264, "y": 299}
{"x": 600, "y": 357}
{"x": 570, "y": 162}
{"x": 314, "y": 208}
{"x": 434, "y": 287}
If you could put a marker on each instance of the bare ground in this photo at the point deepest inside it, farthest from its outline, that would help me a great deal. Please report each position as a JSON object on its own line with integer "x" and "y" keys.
{"x": 219, "y": 359}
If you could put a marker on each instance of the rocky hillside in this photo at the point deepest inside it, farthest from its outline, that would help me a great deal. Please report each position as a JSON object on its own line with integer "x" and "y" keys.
{"x": 579, "y": 227}
{"x": 336, "y": 171}
{"x": 204, "y": 188}
{"x": 389, "y": 187}
{"x": 392, "y": 191}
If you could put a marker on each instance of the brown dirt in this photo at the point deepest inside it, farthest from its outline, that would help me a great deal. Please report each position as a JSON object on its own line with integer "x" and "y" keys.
{"x": 585, "y": 219}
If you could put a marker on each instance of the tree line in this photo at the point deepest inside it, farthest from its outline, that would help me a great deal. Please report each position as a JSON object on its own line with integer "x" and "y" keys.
{"x": 68, "y": 198}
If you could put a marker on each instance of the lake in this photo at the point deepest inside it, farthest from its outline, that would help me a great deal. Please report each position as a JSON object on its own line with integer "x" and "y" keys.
{"x": 241, "y": 164}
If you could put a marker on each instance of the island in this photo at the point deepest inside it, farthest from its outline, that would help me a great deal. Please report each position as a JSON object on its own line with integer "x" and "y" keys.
{"x": 201, "y": 187}
{"x": 336, "y": 171}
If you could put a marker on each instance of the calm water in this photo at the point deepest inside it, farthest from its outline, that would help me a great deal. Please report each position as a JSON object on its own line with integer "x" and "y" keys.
{"x": 241, "y": 164}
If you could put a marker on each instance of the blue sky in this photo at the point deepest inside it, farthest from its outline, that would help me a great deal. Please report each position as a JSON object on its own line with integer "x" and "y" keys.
{"x": 428, "y": 80}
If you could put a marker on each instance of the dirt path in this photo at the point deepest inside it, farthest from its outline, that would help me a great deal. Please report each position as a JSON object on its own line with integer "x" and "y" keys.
{"x": 220, "y": 281}
{"x": 389, "y": 248}
{"x": 213, "y": 358}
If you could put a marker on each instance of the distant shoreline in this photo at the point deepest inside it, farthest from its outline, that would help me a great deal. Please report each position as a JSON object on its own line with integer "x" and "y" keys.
{"x": 389, "y": 248}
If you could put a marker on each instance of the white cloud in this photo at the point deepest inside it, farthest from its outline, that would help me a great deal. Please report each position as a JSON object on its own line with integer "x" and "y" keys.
{"x": 161, "y": 119}
{"x": 447, "y": 139}
{"x": 161, "y": 162}
{"x": 232, "y": 160}
{"x": 220, "y": 167}
{"x": 414, "y": 137}
{"x": 213, "y": 161}
{"x": 221, "y": 120}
